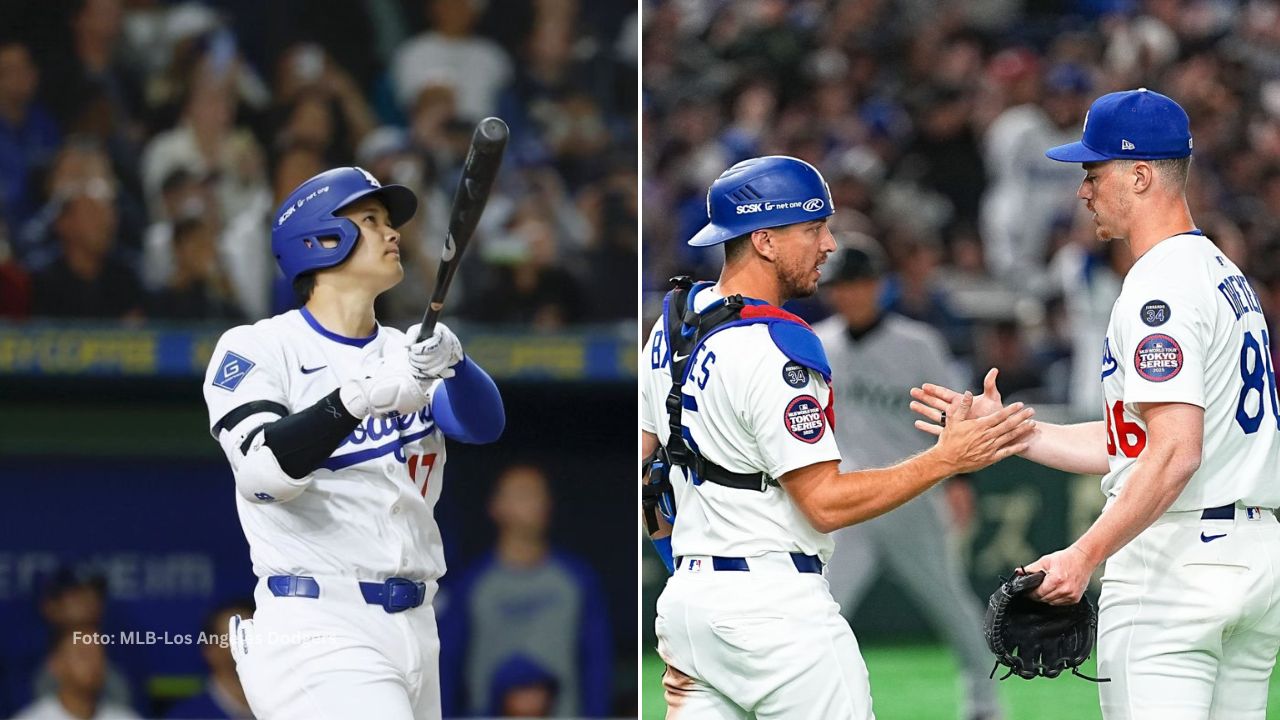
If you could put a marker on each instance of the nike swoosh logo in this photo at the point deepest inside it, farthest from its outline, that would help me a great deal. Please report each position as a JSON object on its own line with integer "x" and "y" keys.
{"x": 308, "y": 371}
{"x": 677, "y": 357}
{"x": 1210, "y": 538}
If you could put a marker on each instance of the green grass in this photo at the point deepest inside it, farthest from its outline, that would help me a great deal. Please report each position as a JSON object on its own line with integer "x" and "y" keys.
{"x": 920, "y": 683}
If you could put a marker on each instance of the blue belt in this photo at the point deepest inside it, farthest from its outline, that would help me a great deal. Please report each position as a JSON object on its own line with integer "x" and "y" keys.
{"x": 1225, "y": 512}
{"x": 804, "y": 563}
{"x": 393, "y": 594}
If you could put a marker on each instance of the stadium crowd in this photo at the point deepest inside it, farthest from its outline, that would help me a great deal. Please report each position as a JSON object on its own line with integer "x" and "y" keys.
{"x": 145, "y": 144}
{"x": 930, "y": 122}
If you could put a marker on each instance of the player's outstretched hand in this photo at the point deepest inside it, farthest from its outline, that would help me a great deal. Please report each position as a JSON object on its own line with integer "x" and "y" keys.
{"x": 970, "y": 443}
{"x": 389, "y": 387}
{"x": 932, "y": 400}
{"x": 434, "y": 357}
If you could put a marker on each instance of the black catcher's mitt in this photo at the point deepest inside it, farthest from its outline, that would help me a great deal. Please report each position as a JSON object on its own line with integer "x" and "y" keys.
{"x": 1032, "y": 638}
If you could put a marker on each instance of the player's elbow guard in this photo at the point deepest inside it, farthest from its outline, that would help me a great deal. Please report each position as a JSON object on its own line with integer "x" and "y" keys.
{"x": 259, "y": 477}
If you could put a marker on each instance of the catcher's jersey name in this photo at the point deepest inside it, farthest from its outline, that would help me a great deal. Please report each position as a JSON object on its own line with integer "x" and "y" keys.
{"x": 749, "y": 409}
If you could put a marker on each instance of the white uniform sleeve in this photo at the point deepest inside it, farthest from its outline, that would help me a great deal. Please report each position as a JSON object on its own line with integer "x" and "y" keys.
{"x": 787, "y": 414}
{"x": 245, "y": 368}
{"x": 1162, "y": 334}
{"x": 652, "y": 359}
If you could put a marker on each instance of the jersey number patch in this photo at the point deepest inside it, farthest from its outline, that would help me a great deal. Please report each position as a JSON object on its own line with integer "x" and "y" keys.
{"x": 1259, "y": 377}
{"x": 421, "y": 465}
{"x": 1132, "y": 438}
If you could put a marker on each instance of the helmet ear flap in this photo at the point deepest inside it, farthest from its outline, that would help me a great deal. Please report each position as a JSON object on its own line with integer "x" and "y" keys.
{"x": 306, "y": 252}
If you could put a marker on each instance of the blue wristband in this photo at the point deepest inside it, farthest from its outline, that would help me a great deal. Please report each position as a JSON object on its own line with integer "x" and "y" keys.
{"x": 663, "y": 546}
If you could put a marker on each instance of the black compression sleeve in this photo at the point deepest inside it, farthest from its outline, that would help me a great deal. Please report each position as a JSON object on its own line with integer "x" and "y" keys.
{"x": 304, "y": 440}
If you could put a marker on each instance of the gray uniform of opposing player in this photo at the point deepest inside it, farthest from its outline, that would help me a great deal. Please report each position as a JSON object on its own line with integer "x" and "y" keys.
{"x": 874, "y": 368}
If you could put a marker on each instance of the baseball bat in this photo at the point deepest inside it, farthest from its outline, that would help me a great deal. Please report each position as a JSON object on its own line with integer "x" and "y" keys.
{"x": 478, "y": 173}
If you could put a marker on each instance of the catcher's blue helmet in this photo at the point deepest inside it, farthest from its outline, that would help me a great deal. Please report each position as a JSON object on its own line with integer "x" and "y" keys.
{"x": 311, "y": 213}
{"x": 760, "y": 193}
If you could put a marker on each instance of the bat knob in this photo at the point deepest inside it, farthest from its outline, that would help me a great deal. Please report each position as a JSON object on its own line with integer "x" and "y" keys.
{"x": 493, "y": 130}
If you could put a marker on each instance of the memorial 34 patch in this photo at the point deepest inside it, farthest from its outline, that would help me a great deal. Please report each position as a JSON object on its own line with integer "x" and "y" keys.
{"x": 804, "y": 419}
{"x": 1158, "y": 358}
{"x": 231, "y": 370}
{"x": 795, "y": 374}
{"x": 1155, "y": 313}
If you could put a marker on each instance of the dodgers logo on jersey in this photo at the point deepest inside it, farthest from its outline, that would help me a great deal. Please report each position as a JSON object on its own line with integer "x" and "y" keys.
{"x": 231, "y": 371}
{"x": 1109, "y": 363}
{"x": 1158, "y": 358}
{"x": 795, "y": 375}
{"x": 1156, "y": 313}
{"x": 804, "y": 419}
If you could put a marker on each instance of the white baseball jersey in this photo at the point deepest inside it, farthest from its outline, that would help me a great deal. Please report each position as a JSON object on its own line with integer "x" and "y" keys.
{"x": 748, "y": 408}
{"x": 1188, "y": 328}
{"x": 369, "y": 513}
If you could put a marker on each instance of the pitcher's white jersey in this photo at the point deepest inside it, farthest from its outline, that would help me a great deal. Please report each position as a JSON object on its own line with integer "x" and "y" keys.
{"x": 1188, "y": 328}
{"x": 369, "y": 512}
{"x": 748, "y": 408}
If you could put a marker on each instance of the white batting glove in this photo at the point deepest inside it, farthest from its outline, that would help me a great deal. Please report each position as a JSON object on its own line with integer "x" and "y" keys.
{"x": 389, "y": 388}
{"x": 434, "y": 357}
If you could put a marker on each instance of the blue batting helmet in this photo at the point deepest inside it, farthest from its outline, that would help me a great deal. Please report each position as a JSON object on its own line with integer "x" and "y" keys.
{"x": 760, "y": 193}
{"x": 311, "y": 213}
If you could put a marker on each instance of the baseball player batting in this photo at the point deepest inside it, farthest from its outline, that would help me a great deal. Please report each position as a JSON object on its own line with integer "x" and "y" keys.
{"x": 744, "y": 463}
{"x": 1189, "y": 443}
{"x": 335, "y": 429}
{"x": 876, "y": 358}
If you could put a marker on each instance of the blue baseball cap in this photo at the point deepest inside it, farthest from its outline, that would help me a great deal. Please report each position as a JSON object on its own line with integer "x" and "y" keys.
{"x": 1130, "y": 125}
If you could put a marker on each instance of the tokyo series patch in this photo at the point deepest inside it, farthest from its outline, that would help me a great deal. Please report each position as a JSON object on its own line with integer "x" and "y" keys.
{"x": 1158, "y": 358}
{"x": 231, "y": 370}
{"x": 804, "y": 419}
{"x": 1155, "y": 313}
{"x": 795, "y": 374}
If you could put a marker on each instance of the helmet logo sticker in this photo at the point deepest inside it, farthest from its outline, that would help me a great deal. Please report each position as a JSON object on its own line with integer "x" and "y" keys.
{"x": 298, "y": 205}
{"x": 813, "y": 204}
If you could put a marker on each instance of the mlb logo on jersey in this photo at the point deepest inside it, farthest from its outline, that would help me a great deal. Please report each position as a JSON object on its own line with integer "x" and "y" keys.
{"x": 1158, "y": 358}
{"x": 695, "y": 565}
{"x": 1253, "y": 513}
{"x": 231, "y": 371}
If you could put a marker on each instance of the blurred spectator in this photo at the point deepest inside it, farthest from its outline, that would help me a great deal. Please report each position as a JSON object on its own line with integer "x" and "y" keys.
{"x": 449, "y": 55}
{"x": 522, "y": 688}
{"x": 86, "y": 280}
{"x": 172, "y": 96}
{"x": 183, "y": 195}
{"x": 1087, "y": 274}
{"x": 197, "y": 289}
{"x": 525, "y": 598}
{"x": 223, "y": 696}
{"x": 15, "y": 285}
{"x": 1003, "y": 344}
{"x": 86, "y": 76}
{"x": 78, "y": 668}
{"x": 74, "y": 602}
{"x": 915, "y": 290}
{"x": 28, "y": 135}
{"x": 319, "y": 104}
{"x": 530, "y": 289}
{"x": 1029, "y": 192}
{"x": 207, "y": 142}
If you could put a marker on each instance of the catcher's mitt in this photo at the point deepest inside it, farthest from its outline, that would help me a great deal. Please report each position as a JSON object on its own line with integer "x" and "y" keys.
{"x": 1033, "y": 638}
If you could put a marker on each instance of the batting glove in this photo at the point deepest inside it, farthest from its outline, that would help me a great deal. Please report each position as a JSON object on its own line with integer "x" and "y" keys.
{"x": 434, "y": 357}
{"x": 390, "y": 387}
